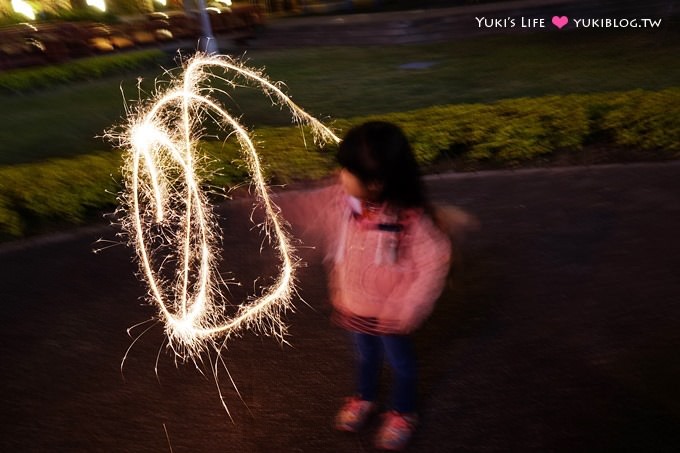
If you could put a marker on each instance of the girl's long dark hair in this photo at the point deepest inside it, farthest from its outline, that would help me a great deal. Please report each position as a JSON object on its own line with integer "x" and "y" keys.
{"x": 379, "y": 152}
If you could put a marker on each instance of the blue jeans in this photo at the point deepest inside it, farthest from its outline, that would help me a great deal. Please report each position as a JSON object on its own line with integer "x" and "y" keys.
{"x": 400, "y": 355}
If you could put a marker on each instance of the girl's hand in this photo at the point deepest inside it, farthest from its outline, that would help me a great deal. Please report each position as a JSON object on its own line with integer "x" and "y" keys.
{"x": 454, "y": 222}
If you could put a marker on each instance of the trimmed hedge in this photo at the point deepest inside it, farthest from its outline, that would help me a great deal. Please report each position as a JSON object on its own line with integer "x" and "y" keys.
{"x": 509, "y": 132}
{"x": 32, "y": 79}
{"x": 646, "y": 120}
{"x": 34, "y": 196}
{"x": 514, "y": 131}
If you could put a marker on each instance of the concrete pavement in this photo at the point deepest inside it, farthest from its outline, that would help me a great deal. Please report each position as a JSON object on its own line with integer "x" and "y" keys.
{"x": 559, "y": 334}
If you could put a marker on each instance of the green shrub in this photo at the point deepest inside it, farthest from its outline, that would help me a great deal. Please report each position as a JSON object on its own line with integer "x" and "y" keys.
{"x": 288, "y": 156}
{"x": 57, "y": 191}
{"x": 522, "y": 129}
{"x": 11, "y": 224}
{"x": 506, "y": 132}
{"x": 126, "y": 7}
{"x": 24, "y": 80}
{"x": 518, "y": 130}
{"x": 437, "y": 129}
{"x": 509, "y": 131}
{"x": 11, "y": 18}
{"x": 648, "y": 120}
{"x": 88, "y": 14}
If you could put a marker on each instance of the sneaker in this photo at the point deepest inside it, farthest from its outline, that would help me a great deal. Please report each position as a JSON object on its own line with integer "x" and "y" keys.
{"x": 354, "y": 414}
{"x": 396, "y": 431}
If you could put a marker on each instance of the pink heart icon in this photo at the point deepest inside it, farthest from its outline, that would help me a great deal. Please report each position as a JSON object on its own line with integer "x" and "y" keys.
{"x": 560, "y": 21}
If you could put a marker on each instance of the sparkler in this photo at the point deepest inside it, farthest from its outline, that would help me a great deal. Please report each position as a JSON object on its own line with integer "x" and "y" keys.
{"x": 168, "y": 217}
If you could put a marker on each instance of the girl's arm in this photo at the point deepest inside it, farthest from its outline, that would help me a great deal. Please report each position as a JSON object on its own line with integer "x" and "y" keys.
{"x": 311, "y": 213}
{"x": 431, "y": 252}
{"x": 435, "y": 247}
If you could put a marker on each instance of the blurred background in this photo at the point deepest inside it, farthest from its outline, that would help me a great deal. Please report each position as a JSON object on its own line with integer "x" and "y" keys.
{"x": 70, "y": 69}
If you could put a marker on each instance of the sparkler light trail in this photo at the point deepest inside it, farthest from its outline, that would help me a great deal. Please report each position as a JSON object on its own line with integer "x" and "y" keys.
{"x": 169, "y": 220}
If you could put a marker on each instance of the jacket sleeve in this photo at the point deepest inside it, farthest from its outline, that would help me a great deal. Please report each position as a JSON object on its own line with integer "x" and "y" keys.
{"x": 311, "y": 213}
{"x": 455, "y": 222}
{"x": 431, "y": 254}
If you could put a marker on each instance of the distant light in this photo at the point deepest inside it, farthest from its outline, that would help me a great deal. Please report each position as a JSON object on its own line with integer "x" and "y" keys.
{"x": 225, "y": 2}
{"x": 23, "y": 8}
{"x": 99, "y": 4}
{"x": 162, "y": 2}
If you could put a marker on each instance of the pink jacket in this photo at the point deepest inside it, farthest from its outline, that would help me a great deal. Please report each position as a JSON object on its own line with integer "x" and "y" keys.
{"x": 387, "y": 269}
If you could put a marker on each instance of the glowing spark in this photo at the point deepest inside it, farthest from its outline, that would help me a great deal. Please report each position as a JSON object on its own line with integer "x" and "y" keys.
{"x": 99, "y": 4}
{"x": 170, "y": 222}
{"x": 22, "y": 7}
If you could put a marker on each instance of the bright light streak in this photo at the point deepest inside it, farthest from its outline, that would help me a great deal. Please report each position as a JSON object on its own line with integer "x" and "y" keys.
{"x": 170, "y": 222}
{"x": 99, "y": 4}
{"x": 23, "y": 8}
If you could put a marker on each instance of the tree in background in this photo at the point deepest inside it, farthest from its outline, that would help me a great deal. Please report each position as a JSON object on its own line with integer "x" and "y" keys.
{"x": 125, "y": 7}
{"x": 44, "y": 6}
{"x": 5, "y": 8}
{"x": 56, "y": 7}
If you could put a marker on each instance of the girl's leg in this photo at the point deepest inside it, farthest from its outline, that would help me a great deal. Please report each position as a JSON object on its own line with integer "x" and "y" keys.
{"x": 369, "y": 361}
{"x": 401, "y": 356}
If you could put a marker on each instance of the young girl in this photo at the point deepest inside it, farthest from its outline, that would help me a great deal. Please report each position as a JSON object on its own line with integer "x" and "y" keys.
{"x": 388, "y": 265}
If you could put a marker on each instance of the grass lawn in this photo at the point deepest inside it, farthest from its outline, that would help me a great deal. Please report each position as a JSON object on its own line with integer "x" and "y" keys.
{"x": 350, "y": 81}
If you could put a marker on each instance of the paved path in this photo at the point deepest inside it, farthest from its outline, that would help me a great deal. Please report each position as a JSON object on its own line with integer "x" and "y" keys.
{"x": 561, "y": 334}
